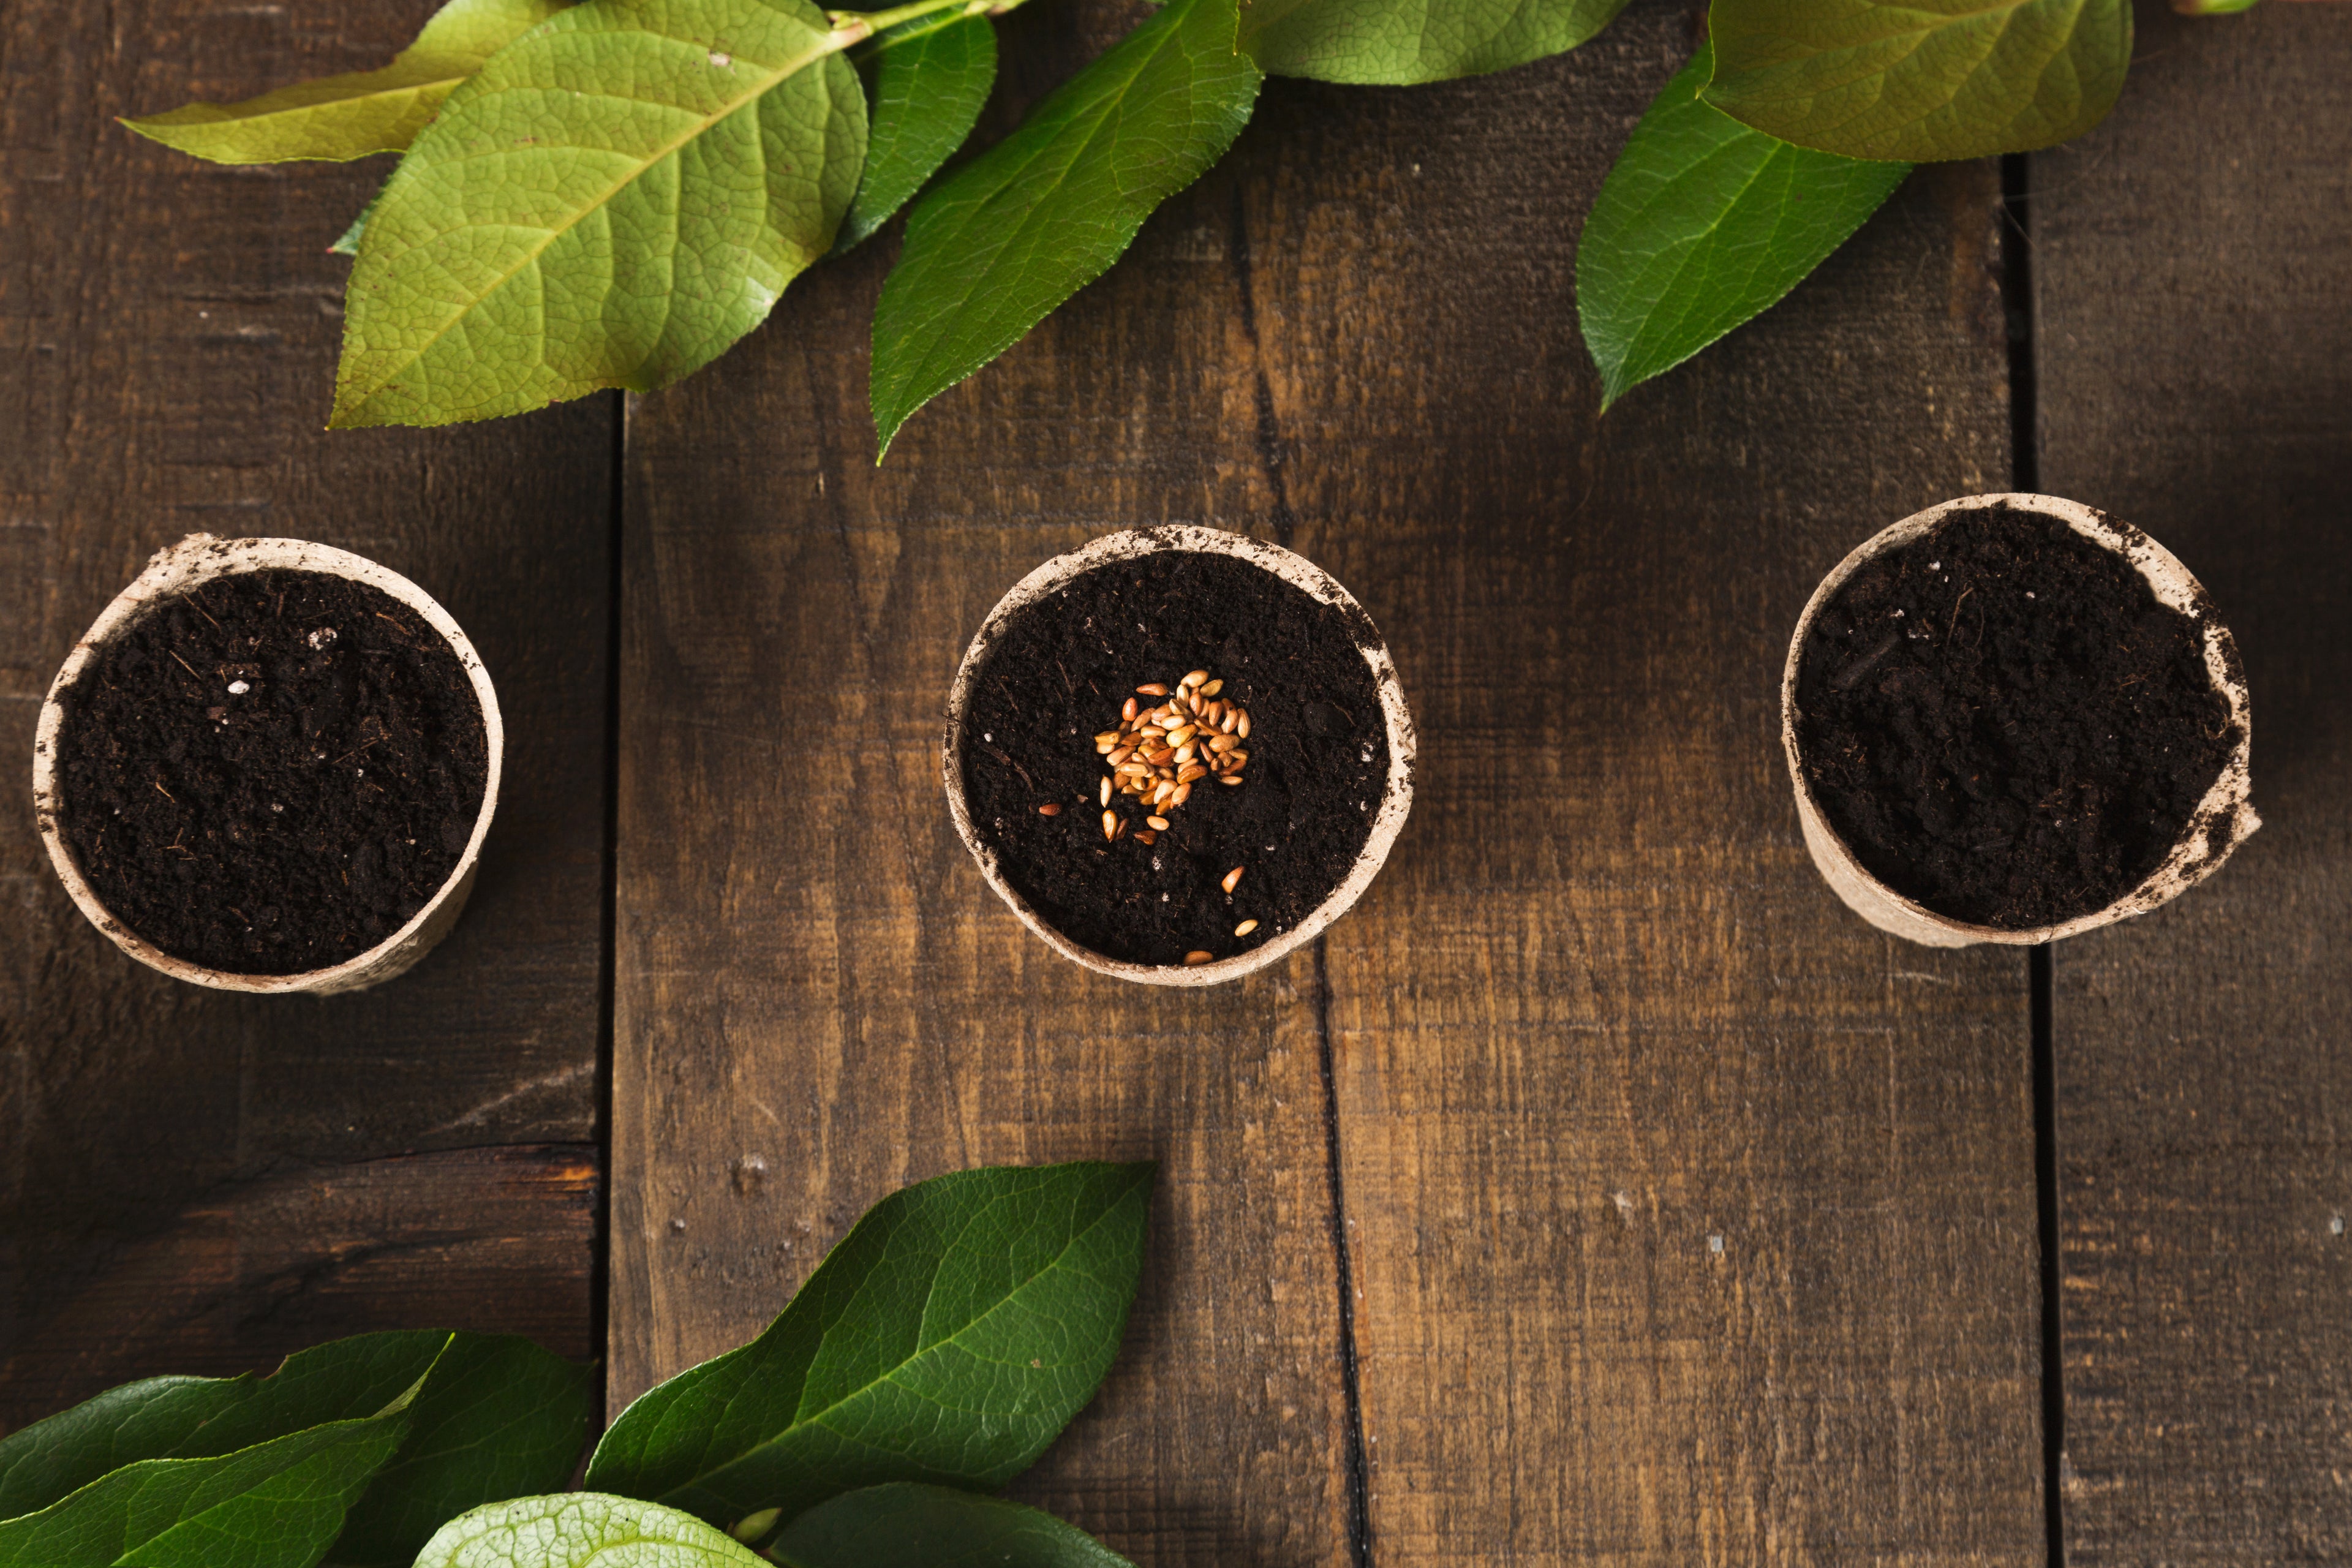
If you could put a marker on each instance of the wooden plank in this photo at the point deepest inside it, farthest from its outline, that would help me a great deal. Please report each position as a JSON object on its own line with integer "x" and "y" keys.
{"x": 818, "y": 999}
{"x": 170, "y": 331}
{"x": 1693, "y": 1219}
{"x": 2194, "y": 331}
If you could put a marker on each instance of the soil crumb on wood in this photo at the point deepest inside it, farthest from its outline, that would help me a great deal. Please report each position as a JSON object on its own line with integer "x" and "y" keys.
{"x": 1055, "y": 675}
{"x": 2003, "y": 724}
{"x": 272, "y": 773}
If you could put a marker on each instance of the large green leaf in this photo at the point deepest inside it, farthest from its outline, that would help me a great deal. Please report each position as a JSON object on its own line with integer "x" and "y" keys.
{"x": 1702, "y": 224}
{"x": 350, "y": 116}
{"x": 581, "y": 1530}
{"x": 275, "y": 1504}
{"x": 911, "y": 1526}
{"x": 1398, "y": 42}
{"x": 1921, "y": 80}
{"x": 953, "y": 1332}
{"x": 499, "y": 1419}
{"x": 996, "y": 245}
{"x": 926, "y": 82}
{"x": 495, "y": 1416}
{"x": 612, "y": 201}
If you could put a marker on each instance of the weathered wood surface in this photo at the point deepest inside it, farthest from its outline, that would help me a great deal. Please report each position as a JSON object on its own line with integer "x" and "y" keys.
{"x": 2194, "y": 277}
{"x": 1599, "y": 1011}
{"x": 168, "y": 329}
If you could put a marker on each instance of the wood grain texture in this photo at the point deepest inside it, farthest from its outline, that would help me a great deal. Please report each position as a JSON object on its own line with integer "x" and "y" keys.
{"x": 2194, "y": 328}
{"x": 169, "y": 330}
{"x": 1597, "y": 1011}
{"x": 1693, "y": 1219}
{"x": 817, "y": 998}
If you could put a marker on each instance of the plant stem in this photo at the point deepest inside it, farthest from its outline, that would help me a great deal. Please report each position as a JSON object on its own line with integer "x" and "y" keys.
{"x": 864, "y": 23}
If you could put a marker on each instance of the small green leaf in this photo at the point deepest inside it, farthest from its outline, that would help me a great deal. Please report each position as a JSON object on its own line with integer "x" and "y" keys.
{"x": 343, "y": 117}
{"x": 612, "y": 200}
{"x": 951, "y": 1335}
{"x": 1922, "y": 80}
{"x": 994, "y": 248}
{"x": 581, "y": 1530}
{"x": 1398, "y": 42}
{"x": 925, "y": 85}
{"x": 499, "y": 1419}
{"x": 273, "y": 1505}
{"x": 911, "y": 1526}
{"x": 1701, "y": 224}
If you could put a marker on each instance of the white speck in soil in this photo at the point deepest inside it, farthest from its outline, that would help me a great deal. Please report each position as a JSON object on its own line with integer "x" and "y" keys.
{"x": 1715, "y": 1244}
{"x": 987, "y": 737}
{"x": 1898, "y": 614}
{"x": 2336, "y": 1225}
{"x": 677, "y": 1227}
{"x": 1934, "y": 566}
{"x": 239, "y": 688}
{"x": 320, "y": 638}
{"x": 275, "y": 806}
{"x": 2029, "y": 593}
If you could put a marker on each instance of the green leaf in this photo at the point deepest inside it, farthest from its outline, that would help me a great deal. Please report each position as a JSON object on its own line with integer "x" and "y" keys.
{"x": 273, "y": 1505}
{"x": 1398, "y": 42}
{"x": 1923, "y": 81}
{"x": 581, "y": 1530}
{"x": 611, "y": 203}
{"x": 925, "y": 85}
{"x": 351, "y": 116}
{"x": 953, "y": 1332}
{"x": 995, "y": 247}
{"x": 495, "y": 1416}
{"x": 1701, "y": 224}
{"x": 911, "y": 1526}
{"x": 499, "y": 1419}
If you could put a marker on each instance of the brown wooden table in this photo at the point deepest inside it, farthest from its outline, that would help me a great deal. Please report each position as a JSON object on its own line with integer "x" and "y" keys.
{"x": 1600, "y": 1190}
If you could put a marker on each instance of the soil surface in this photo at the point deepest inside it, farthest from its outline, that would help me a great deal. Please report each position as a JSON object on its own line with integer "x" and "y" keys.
{"x": 2003, "y": 724}
{"x": 272, "y": 773}
{"x": 1056, "y": 674}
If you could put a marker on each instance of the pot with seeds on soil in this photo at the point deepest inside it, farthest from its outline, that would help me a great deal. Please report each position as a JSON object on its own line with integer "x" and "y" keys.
{"x": 1178, "y": 753}
{"x": 270, "y": 765}
{"x": 2013, "y": 719}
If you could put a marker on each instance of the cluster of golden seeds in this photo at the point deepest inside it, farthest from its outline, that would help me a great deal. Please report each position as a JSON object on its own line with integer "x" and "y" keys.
{"x": 1156, "y": 754}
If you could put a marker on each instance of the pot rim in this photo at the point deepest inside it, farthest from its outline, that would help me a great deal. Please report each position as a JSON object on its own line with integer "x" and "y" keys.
{"x": 198, "y": 559}
{"x": 2191, "y": 860}
{"x": 1388, "y": 821}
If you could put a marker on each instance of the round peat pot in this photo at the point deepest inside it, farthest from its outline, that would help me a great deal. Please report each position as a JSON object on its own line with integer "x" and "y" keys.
{"x": 2221, "y": 821}
{"x": 1386, "y": 818}
{"x": 196, "y": 560}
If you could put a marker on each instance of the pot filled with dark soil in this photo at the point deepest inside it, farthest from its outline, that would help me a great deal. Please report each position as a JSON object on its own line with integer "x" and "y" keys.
{"x": 2011, "y": 719}
{"x": 270, "y": 765}
{"x": 1178, "y": 753}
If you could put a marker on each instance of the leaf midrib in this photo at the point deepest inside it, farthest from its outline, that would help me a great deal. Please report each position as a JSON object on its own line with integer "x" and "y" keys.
{"x": 826, "y": 44}
{"x": 802, "y": 1420}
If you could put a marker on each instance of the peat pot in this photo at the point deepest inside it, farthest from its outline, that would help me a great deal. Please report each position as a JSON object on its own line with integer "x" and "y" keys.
{"x": 2222, "y": 820}
{"x": 1386, "y": 802}
{"x": 195, "y": 562}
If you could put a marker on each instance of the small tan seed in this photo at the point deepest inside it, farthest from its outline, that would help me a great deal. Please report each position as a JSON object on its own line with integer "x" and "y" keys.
{"x": 1182, "y": 733}
{"x": 1144, "y": 835}
{"x": 1051, "y": 808}
{"x": 1164, "y": 793}
{"x": 1232, "y": 878}
{"x": 1194, "y": 677}
{"x": 1121, "y": 754}
{"x": 1186, "y": 753}
{"x": 1159, "y": 823}
{"x": 1184, "y": 792}
{"x": 1224, "y": 743}
{"x": 1237, "y": 757}
{"x": 1164, "y": 755}
{"x": 1154, "y": 690}
{"x": 1128, "y": 711}
{"x": 1106, "y": 792}
{"x": 1195, "y": 771}
{"x": 1110, "y": 824}
{"x": 1241, "y": 724}
{"x": 1212, "y": 688}
{"x": 1104, "y": 748}
{"x": 1200, "y": 957}
{"x": 1245, "y": 928}
{"x": 1230, "y": 720}
{"x": 1230, "y": 778}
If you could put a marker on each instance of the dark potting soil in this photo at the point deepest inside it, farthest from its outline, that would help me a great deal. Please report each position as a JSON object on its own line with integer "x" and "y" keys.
{"x": 1055, "y": 675}
{"x": 272, "y": 773}
{"x": 2004, "y": 724}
